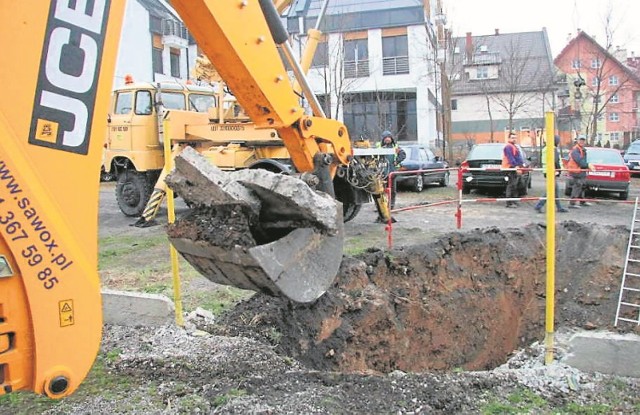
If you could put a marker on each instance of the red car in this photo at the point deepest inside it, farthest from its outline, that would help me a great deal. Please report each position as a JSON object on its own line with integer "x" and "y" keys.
{"x": 611, "y": 173}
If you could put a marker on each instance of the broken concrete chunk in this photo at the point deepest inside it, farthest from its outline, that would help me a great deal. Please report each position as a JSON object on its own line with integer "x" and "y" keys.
{"x": 289, "y": 199}
{"x": 201, "y": 183}
{"x": 278, "y": 199}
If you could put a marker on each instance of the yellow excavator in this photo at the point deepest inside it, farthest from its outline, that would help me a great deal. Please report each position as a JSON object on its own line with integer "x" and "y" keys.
{"x": 52, "y": 119}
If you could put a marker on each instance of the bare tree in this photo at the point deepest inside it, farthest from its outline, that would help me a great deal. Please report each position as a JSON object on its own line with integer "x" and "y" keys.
{"x": 604, "y": 81}
{"x": 520, "y": 84}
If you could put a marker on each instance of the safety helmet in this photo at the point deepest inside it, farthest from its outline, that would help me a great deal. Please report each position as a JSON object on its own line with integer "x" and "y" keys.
{"x": 386, "y": 134}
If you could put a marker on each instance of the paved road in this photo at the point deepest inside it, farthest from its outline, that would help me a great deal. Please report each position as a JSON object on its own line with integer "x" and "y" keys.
{"x": 412, "y": 226}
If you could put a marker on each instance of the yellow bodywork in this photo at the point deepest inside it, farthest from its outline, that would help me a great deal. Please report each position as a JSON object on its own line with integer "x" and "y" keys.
{"x": 51, "y": 125}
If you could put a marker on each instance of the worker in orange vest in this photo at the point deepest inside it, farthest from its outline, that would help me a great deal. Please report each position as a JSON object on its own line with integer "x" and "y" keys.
{"x": 577, "y": 168}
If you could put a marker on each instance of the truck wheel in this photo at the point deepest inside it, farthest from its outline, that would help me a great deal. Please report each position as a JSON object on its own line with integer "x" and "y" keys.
{"x": 466, "y": 190}
{"x": 132, "y": 192}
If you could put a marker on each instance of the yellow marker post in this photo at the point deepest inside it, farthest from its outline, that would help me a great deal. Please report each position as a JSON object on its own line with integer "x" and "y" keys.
{"x": 551, "y": 237}
{"x": 171, "y": 217}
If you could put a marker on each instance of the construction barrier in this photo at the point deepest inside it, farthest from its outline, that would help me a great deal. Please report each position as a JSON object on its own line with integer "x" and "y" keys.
{"x": 460, "y": 200}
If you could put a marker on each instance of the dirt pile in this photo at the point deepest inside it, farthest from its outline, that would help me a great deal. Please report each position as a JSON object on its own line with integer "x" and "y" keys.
{"x": 465, "y": 300}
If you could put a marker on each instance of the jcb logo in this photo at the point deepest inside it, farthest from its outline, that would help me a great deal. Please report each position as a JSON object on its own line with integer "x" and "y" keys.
{"x": 68, "y": 76}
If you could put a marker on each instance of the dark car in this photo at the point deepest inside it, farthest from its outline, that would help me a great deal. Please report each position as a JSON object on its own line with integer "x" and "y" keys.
{"x": 482, "y": 169}
{"x": 632, "y": 157}
{"x": 610, "y": 174}
{"x": 420, "y": 157}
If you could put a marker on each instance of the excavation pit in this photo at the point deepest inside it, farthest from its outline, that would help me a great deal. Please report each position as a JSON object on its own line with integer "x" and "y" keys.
{"x": 464, "y": 300}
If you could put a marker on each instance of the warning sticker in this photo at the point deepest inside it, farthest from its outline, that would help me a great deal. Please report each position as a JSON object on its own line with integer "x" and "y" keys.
{"x": 65, "y": 310}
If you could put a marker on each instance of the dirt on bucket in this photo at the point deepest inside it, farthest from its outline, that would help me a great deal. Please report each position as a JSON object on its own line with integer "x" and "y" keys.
{"x": 465, "y": 300}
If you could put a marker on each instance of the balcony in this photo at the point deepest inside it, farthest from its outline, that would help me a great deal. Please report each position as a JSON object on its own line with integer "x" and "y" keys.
{"x": 356, "y": 69}
{"x": 174, "y": 34}
{"x": 395, "y": 65}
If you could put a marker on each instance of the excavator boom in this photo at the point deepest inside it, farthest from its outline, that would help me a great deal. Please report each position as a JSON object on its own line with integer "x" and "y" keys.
{"x": 238, "y": 41}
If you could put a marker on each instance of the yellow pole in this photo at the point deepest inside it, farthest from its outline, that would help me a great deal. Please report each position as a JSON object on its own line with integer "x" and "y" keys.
{"x": 551, "y": 236}
{"x": 171, "y": 217}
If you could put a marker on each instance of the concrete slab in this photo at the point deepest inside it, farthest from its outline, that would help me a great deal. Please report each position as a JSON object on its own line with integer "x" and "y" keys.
{"x": 604, "y": 352}
{"x": 136, "y": 309}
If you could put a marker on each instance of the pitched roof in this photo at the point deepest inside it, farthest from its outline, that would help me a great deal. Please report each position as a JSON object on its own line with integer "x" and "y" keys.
{"x": 528, "y": 52}
{"x": 610, "y": 57}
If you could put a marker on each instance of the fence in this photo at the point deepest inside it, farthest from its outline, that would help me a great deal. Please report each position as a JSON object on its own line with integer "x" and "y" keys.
{"x": 461, "y": 200}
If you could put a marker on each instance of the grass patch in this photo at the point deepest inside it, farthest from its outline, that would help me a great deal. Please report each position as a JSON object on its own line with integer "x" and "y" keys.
{"x": 574, "y": 408}
{"x": 232, "y": 393}
{"x": 99, "y": 382}
{"x": 522, "y": 401}
{"x": 217, "y": 300}
{"x": 115, "y": 251}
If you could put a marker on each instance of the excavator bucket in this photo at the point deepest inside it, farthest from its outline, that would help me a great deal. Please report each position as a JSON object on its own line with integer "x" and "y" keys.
{"x": 256, "y": 230}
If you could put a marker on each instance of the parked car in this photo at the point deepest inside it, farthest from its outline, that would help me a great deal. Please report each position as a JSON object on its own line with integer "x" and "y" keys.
{"x": 420, "y": 157}
{"x": 611, "y": 173}
{"x": 632, "y": 157}
{"x": 489, "y": 156}
{"x": 533, "y": 154}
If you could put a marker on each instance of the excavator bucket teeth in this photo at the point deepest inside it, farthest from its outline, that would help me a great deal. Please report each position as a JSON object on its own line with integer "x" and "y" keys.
{"x": 256, "y": 230}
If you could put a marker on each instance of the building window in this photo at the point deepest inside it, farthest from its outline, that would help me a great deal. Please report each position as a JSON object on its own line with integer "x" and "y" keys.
{"x": 454, "y": 104}
{"x": 595, "y": 81}
{"x": 356, "y": 58}
{"x": 482, "y": 72}
{"x": 614, "y": 117}
{"x": 615, "y": 99}
{"x": 596, "y": 63}
{"x": 156, "y": 54}
{"x": 615, "y": 137}
{"x": 613, "y": 80}
{"x": 395, "y": 55}
{"x": 321, "y": 57}
{"x": 575, "y": 64}
{"x": 368, "y": 113}
{"x": 175, "y": 62}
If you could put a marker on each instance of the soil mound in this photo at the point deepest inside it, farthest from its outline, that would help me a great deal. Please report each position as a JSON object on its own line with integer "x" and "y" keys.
{"x": 464, "y": 300}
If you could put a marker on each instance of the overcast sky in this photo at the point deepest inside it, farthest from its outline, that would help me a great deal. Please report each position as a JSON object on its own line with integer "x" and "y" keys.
{"x": 560, "y": 17}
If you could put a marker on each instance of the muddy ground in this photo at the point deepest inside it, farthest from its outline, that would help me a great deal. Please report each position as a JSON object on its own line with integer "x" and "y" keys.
{"x": 446, "y": 321}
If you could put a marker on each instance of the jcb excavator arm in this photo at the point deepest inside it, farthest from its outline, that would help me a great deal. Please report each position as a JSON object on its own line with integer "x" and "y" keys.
{"x": 52, "y": 116}
{"x": 242, "y": 39}
{"x": 236, "y": 38}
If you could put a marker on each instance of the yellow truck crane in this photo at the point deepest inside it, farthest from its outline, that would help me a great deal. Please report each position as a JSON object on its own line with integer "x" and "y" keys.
{"x": 213, "y": 125}
{"x": 52, "y": 117}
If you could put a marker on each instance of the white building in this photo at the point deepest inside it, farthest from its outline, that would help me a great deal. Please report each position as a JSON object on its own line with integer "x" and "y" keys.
{"x": 375, "y": 69}
{"x": 154, "y": 46}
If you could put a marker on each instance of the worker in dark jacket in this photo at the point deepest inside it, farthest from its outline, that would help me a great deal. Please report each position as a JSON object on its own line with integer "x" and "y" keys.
{"x": 393, "y": 161}
{"x": 540, "y": 204}
{"x": 577, "y": 168}
{"x": 512, "y": 159}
